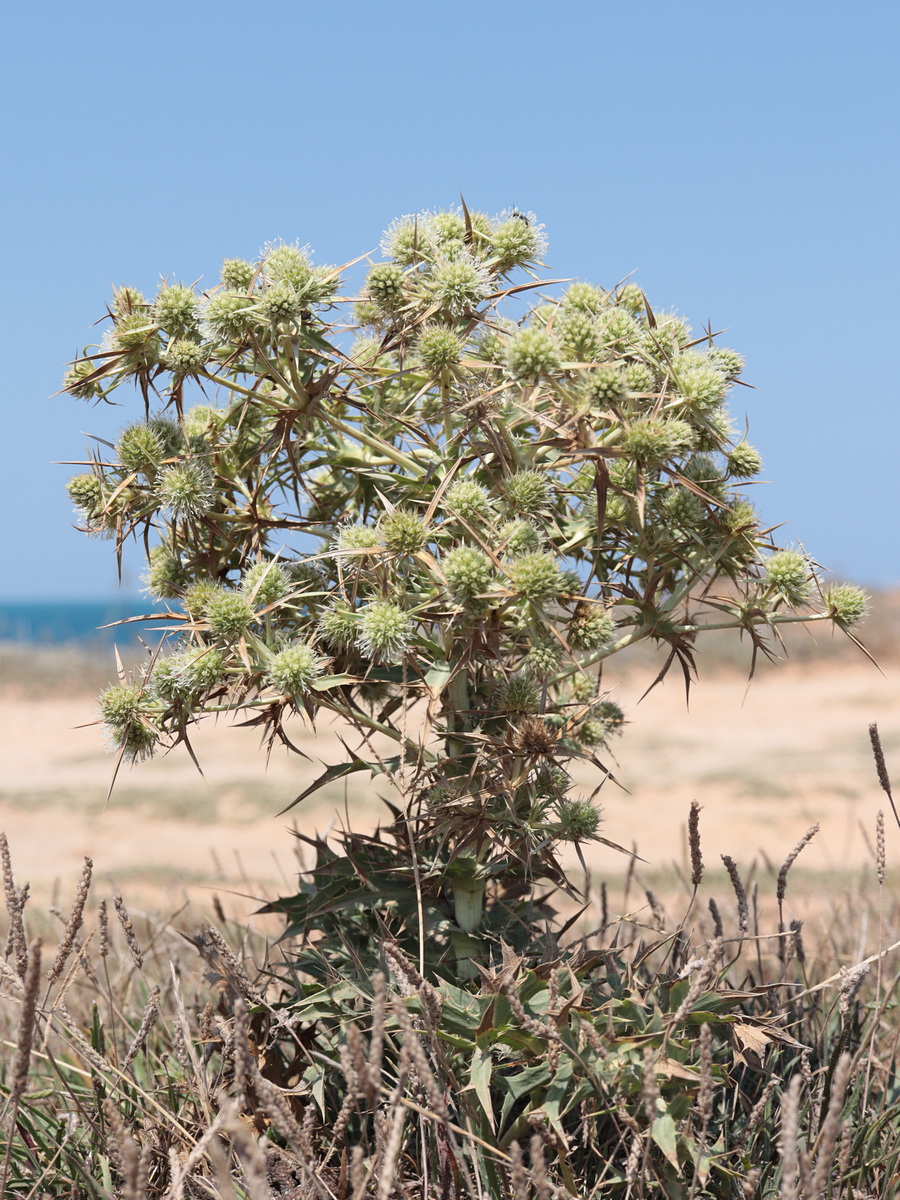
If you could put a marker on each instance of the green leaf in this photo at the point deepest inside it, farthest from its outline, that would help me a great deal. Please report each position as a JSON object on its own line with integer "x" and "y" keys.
{"x": 665, "y": 1135}
{"x": 438, "y": 677}
{"x": 480, "y": 1082}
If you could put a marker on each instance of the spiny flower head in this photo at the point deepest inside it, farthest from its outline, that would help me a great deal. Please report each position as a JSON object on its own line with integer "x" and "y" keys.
{"x": 518, "y": 537}
{"x": 403, "y": 240}
{"x": 606, "y": 384}
{"x": 384, "y": 631}
{"x": 265, "y": 583}
{"x": 202, "y": 421}
{"x": 526, "y": 492}
{"x": 229, "y": 615}
{"x": 699, "y": 384}
{"x": 384, "y": 286}
{"x": 468, "y": 572}
{"x": 281, "y": 304}
{"x": 667, "y": 338}
{"x": 295, "y": 669}
{"x": 729, "y": 362}
{"x": 77, "y": 382}
{"x": 287, "y": 264}
{"x": 176, "y": 310}
{"x": 788, "y": 574}
{"x": 199, "y": 596}
{"x": 618, "y": 328}
{"x": 542, "y": 659}
{"x": 518, "y": 240}
{"x": 459, "y": 286}
{"x": 681, "y": 509}
{"x": 585, "y": 298}
{"x": 358, "y": 536}
{"x": 578, "y": 338}
{"x": 846, "y": 604}
{"x": 338, "y": 625}
{"x": 185, "y": 489}
{"x": 439, "y": 349}
{"x": 520, "y": 694}
{"x": 237, "y": 274}
{"x": 86, "y": 493}
{"x": 631, "y": 298}
{"x": 654, "y": 440}
{"x": 578, "y": 820}
{"x": 402, "y": 531}
{"x": 171, "y": 680}
{"x": 536, "y": 576}
{"x": 183, "y": 356}
{"x": 591, "y": 628}
{"x": 639, "y": 377}
{"x": 165, "y": 575}
{"x": 135, "y": 336}
{"x": 228, "y": 316}
{"x": 120, "y": 708}
{"x": 469, "y": 500}
{"x": 446, "y": 226}
{"x": 703, "y": 470}
{"x": 127, "y": 301}
{"x": 744, "y": 461}
{"x": 591, "y": 732}
{"x": 531, "y": 354}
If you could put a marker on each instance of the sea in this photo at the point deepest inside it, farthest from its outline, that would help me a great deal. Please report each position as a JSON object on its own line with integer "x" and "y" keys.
{"x": 75, "y": 622}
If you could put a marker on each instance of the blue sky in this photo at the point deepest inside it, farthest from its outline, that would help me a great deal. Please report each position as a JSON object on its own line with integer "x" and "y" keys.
{"x": 739, "y": 159}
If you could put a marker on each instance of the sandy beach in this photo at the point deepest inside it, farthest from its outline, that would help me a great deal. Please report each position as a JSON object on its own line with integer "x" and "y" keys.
{"x": 765, "y": 764}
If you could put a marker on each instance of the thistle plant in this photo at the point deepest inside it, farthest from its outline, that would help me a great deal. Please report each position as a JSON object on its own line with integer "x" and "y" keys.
{"x": 439, "y": 532}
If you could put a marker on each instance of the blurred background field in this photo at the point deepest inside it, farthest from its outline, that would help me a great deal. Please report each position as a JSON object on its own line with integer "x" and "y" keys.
{"x": 765, "y": 762}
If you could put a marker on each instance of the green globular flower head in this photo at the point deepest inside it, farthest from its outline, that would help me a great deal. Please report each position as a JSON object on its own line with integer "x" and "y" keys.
{"x": 744, "y": 461}
{"x": 526, "y": 492}
{"x": 704, "y": 471}
{"x": 295, "y": 669}
{"x": 846, "y": 604}
{"x": 165, "y": 576}
{"x": 617, "y": 328}
{"x": 228, "y": 317}
{"x": 384, "y": 631}
{"x": 542, "y": 660}
{"x": 206, "y": 669}
{"x": 281, "y": 304}
{"x": 459, "y": 286}
{"x": 584, "y": 298}
{"x": 667, "y": 338}
{"x": 631, "y": 297}
{"x": 184, "y": 356}
{"x": 127, "y": 301}
{"x": 185, "y": 489}
{"x": 86, "y": 493}
{"x": 384, "y": 286}
{"x": 358, "y": 537}
{"x": 120, "y": 709}
{"x": 338, "y": 626}
{"x": 655, "y": 440}
{"x": 468, "y": 572}
{"x": 202, "y": 422}
{"x": 237, "y": 274}
{"x": 229, "y": 615}
{"x": 640, "y": 378}
{"x": 469, "y": 500}
{"x": 135, "y": 336}
{"x": 77, "y": 382}
{"x": 402, "y": 531}
{"x": 591, "y": 732}
{"x": 607, "y": 385}
{"x": 610, "y": 714}
{"x": 404, "y": 240}
{"x": 518, "y": 537}
{"x": 700, "y": 385}
{"x": 265, "y": 583}
{"x": 170, "y": 680}
{"x": 439, "y": 349}
{"x": 788, "y": 575}
{"x": 729, "y": 362}
{"x": 521, "y": 694}
{"x": 199, "y": 596}
{"x": 680, "y": 509}
{"x": 444, "y": 227}
{"x": 578, "y": 820}
{"x": 176, "y": 310}
{"x": 517, "y": 240}
{"x": 140, "y": 448}
{"x": 536, "y": 576}
{"x": 591, "y": 628}
{"x": 578, "y": 338}
{"x": 287, "y": 264}
{"x": 531, "y": 354}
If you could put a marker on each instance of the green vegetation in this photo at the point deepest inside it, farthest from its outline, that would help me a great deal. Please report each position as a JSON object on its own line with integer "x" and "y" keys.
{"x": 440, "y": 533}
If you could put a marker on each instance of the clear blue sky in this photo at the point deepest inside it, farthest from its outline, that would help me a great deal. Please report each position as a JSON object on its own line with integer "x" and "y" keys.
{"x": 740, "y": 159}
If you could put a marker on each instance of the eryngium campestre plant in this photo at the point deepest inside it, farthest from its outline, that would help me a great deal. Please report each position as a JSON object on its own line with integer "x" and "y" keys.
{"x": 437, "y": 533}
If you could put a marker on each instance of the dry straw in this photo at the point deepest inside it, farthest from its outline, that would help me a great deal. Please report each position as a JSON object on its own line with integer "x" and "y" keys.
{"x": 694, "y": 844}
{"x": 831, "y": 1127}
{"x": 740, "y": 893}
{"x": 16, "y": 942}
{"x": 880, "y": 854}
{"x": 24, "y": 1042}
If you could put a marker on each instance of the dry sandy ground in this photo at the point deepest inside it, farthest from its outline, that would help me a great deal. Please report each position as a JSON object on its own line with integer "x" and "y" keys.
{"x": 764, "y": 766}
